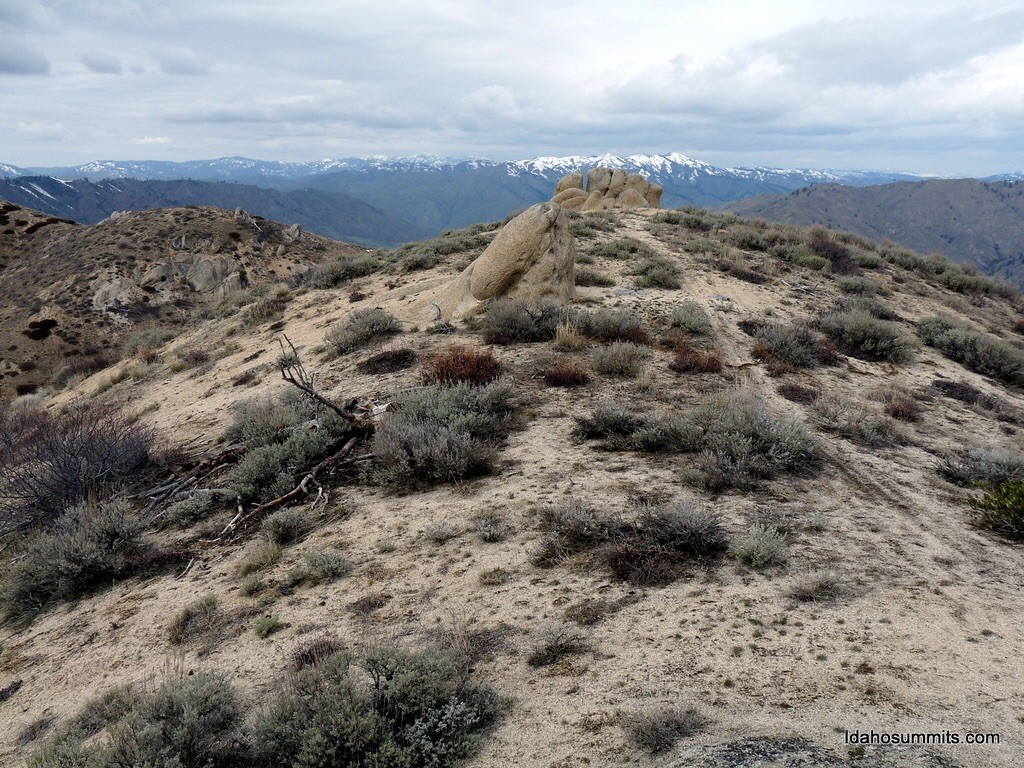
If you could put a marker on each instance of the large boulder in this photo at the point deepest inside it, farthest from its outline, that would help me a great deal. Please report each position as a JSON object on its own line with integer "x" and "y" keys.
{"x": 606, "y": 188}
{"x": 532, "y": 257}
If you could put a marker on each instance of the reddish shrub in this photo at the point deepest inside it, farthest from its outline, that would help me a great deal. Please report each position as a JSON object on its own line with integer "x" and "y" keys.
{"x": 458, "y": 365}
{"x": 798, "y": 393}
{"x": 689, "y": 359}
{"x": 903, "y": 408}
{"x": 568, "y": 373}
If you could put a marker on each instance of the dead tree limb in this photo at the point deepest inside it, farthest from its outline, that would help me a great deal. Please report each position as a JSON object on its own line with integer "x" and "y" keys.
{"x": 301, "y": 489}
{"x": 295, "y": 373}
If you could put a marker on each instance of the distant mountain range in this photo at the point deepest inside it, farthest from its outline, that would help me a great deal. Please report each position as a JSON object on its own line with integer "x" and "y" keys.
{"x": 437, "y": 193}
{"x": 981, "y": 222}
{"x": 331, "y": 214}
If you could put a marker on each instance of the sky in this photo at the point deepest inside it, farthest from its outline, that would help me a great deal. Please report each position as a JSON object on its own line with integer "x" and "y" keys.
{"x": 926, "y": 87}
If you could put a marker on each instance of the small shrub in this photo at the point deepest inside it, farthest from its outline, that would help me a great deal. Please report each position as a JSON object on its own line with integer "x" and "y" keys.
{"x": 606, "y": 325}
{"x": 390, "y": 707}
{"x": 568, "y": 336}
{"x": 567, "y": 373}
{"x": 608, "y": 420}
{"x": 554, "y": 642}
{"x": 51, "y": 462}
{"x": 492, "y": 528}
{"x": 692, "y": 318}
{"x": 619, "y": 359}
{"x": 193, "y": 509}
{"x": 264, "y": 626}
{"x": 196, "y": 619}
{"x": 267, "y": 420}
{"x": 441, "y": 434}
{"x": 823, "y": 244}
{"x": 363, "y": 327}
{"x": 862, "y": 286}
{"x": 690, "y": 359}
{"x": 654, "y": 547}
{"x": 314, "y": 651}
{"x": 658, "y": 729}
{"x": 987, "y": 467}
{"x": 656, "y": 272}
{"x": 265, "y": 309}
{"x": 510, "y": 321}
{"x": 461, "y": 365}
{"x": 324, "y": 567}
{"x": 798, "y": 393}
{"x": 903, "y": 407}
{"x": 268, "y": 472}
{"x": 285, "y": 526}
{"x": 192, "y": 721}
{"x": 337, "y": 272}
{"x": 867, "y": 337}
{"x": 735, "y": 267}
{"x": 261, "y": 556}
{"x": 821, "y": 586}
{"x": 440, "y": 533}
{"x": 622, "y": 248}
{"x": 980, "y": 352}
{"x": 856, "y": 421}
{"x": 1001, "y": 509}
{"x": 388, "y": 361}
{"x": 762, "y": 547}
{"x": 588, "y": 278}
{"x": 85, "y": 548}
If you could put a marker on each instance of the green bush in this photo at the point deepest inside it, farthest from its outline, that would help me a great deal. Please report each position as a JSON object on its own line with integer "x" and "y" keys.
{"x": 620, "y": 358}
{"x": 270, "y": 471}
{"x": 1001, "y": 509}
{"x": 863, "y": 286}
{"x": 738, "y": 442}
{"x": 84, "y": 548}
{"x": 855, "y": 421}
{"x": 588, "y": 278}
{"x": 266, "y": 420}
{"x": 607, "y": 325}
{"x": 337, "y": 271}
{"x": 285, "y": 526}
{"x": 987, "y": 467}
{"x": 190, "y": 721}
{"x": 656, "y": 272}
{"x": 363, "y": 327}
{"x": 198, "y": 618}
{"x": 980, "y": 352}
{"x": 762, "y": 547}
{"x": 864, "y": 336}
{"x": 795, "y": 345}
{"x": 656, "y": 545}
{"x": 692, "y": 318}
{"x": 511, "y": 321}
{"x": 622, "y": 248}
{"x": 390, "y": 708}
{"x": 441, "y": 434}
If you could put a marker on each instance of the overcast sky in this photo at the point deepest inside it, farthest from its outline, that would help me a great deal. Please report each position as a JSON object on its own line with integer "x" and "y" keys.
{"x": 928, "y": 87}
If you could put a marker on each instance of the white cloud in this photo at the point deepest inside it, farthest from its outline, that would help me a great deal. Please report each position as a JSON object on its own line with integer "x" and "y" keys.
{"x": 850, "y": 82}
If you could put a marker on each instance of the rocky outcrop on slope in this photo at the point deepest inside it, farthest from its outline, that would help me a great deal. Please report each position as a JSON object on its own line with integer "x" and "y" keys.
{"x": 606, "y": 188}
{"x": 532, "y": 257}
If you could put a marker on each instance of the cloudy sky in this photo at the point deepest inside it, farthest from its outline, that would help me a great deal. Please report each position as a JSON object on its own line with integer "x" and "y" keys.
{"x": 928, "y": 87}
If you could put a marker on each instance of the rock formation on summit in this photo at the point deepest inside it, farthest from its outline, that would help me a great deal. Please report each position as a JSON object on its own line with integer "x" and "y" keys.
{"x": 606, "y": 188}
{"x": 532, "y": 257}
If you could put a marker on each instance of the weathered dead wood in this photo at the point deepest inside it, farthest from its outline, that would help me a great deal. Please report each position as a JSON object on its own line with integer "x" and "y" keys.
{"x": 336, "y": 459}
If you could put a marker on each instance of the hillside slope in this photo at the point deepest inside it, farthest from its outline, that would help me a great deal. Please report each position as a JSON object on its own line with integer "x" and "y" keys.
{"x": 981, "y": 223}
{"x": 71, "y": 295}
{"x": 855, "y": 593}
{"x": 328, "y": 214}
